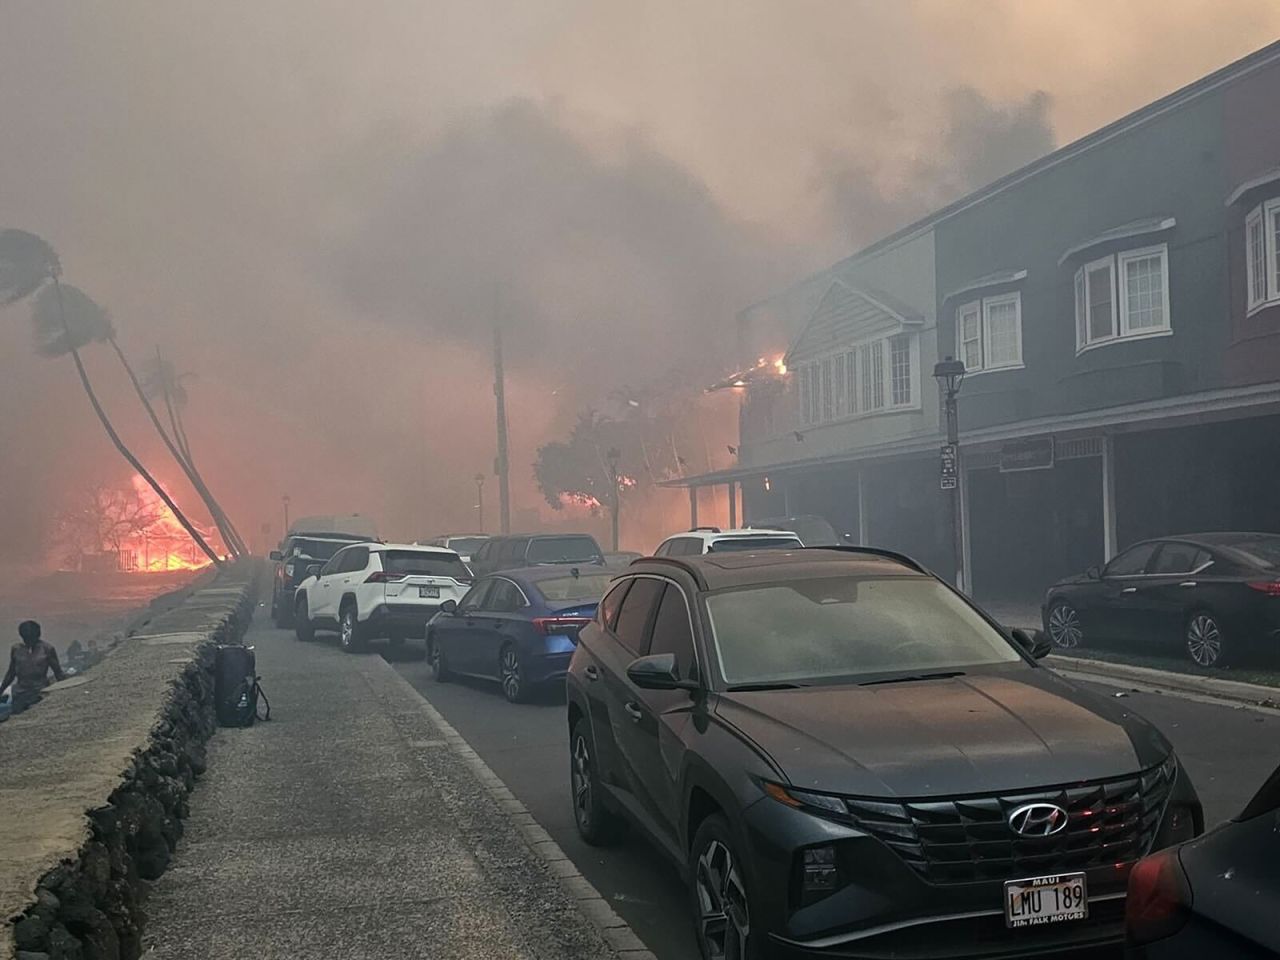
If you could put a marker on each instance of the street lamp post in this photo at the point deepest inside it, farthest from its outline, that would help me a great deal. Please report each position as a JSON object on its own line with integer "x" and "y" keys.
{"x": 479, "y": 478}
{"x": 612, "y": 457}
{"x": 950, "y": 375}
{"x": 285, "y": 500}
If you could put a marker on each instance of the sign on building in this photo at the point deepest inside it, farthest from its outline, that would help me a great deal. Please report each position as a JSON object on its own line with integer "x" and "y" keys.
{"x": 1034, "y": 453}
{"x": 950, "y": 477}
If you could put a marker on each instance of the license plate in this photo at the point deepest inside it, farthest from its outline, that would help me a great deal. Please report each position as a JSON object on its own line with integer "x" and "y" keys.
{"x": 432, "y": 592}
{"x": 1043, "y": 900}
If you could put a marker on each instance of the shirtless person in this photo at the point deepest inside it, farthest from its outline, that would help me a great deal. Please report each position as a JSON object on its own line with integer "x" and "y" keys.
{"x": 29, "y": 664}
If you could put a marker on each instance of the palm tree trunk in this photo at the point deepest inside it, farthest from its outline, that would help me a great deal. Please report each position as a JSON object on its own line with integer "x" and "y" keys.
{"x": 214, "y": 510}
{"x": 119, "y": 444}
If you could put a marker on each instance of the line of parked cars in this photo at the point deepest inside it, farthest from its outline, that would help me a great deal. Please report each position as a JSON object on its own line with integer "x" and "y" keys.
{"x": 842, "y": 755}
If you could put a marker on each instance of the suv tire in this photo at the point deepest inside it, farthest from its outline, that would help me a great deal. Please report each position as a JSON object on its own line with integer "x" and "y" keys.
{"x": 302, "y": 627}
{"x": 597, "y": 824}
{"x": 350, "y": 632}
{"x": 440, "y": 671}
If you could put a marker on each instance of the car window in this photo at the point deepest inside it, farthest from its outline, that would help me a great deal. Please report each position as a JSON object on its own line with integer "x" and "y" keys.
{"x": 683, "y": 546}
{"x": 505, "y": 598}
{"x": 837, "y": 629}
{"x": 664, "y": 549}
{"x": 563, "y": 550}
{"x": 728, "y": 544}
{"x": 585, "y": 586}
{"x": 612, "y": 602}
{"x": 1178, "y": 558}
{"x": 475, "y": 597}
{"x": 401, "y": 563}
{"x": 315, "y": 549}
{"x": 467, "y": 546}
{"x": 485, "y": 549}
{"x": 672, "y": 632}
{"x": 334, "y": 563}
{"x": 637, "y": 606}
{"x": 1132, "y": 562}
{"x": 355, "y": 559}
{"x": 512, "y": 550}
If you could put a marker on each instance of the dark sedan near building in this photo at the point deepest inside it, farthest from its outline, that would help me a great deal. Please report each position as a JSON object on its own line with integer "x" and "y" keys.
{"x": 518, "y": 627}
{"x": 1214, "y": 595}
{"x": 1217, "y": 896}
{"x": 847, "y": 759}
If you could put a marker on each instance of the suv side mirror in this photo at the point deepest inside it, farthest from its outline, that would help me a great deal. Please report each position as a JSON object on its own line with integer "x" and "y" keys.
{"x": 449, "y": 607}
{"x": 658, "y": 671}
{"x": 313, "y": 570}
{"x": 276, "y": 555}
{"x": 1093, "y": 573}
{"x": 1034, "y": 642}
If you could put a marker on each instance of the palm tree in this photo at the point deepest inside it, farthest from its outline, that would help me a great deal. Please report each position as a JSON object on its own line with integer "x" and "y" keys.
{"x": 65, "y": 321}
{"x": 159, "y": 379}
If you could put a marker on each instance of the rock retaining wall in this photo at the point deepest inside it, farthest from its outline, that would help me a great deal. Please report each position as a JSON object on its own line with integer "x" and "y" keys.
{"x": 143, "y": 719}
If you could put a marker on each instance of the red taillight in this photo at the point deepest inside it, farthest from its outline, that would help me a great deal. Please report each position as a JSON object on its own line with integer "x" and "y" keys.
{"x": 381, "y": 576}
{"x": 1159, "y": 898}
{"x": 550, "y": 625}
{"x": 1270, "y": 587}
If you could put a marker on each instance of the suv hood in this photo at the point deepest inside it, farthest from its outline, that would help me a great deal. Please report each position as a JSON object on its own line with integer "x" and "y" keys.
{"x": 978, "y": 733}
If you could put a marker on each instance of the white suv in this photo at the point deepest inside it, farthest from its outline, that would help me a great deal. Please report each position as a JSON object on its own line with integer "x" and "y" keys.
{"x": 375, "y": 591}
{"x": 714, "y": 540}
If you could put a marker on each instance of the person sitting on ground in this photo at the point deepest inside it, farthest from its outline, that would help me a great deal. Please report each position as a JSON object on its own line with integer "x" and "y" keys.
{"x": 30, "y": 661}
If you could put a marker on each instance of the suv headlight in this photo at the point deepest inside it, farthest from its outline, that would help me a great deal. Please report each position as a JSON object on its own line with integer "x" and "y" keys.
{"x": 803, "y": 798}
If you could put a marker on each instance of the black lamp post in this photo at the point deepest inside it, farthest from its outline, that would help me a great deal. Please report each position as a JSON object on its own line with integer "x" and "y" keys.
{"x": 613, "y": 456}
{"x": 950, "y": 375}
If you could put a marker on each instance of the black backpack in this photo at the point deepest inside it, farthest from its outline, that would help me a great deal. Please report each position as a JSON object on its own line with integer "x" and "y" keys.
{"x": 235, "y": 687}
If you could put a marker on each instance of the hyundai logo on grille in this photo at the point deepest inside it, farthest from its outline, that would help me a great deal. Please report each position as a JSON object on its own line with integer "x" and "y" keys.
{"x": 1038, "y": 819}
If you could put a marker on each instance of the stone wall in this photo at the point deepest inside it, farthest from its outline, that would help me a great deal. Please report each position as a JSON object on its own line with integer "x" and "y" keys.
{"x": 94, "y": 781}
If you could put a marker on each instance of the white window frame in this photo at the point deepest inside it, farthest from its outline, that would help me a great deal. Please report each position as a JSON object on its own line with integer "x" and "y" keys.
{"x": 983, "y": 309}
{"x": 1122, "y": 292}
{"x": 1120, "y": 331}
{"x": 811, "y": 383}
{"x": 1267, "y": 215}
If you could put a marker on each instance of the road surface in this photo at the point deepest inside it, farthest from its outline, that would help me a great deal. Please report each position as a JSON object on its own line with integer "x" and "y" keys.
{"x": 1228, "y": 751}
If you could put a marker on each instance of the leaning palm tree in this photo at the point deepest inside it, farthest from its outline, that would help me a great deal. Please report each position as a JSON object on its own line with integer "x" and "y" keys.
{"x": 65, "y": 321}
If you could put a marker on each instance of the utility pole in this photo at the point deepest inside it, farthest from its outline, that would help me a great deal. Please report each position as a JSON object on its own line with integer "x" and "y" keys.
{"x": 615, "y": 495}
{"x": 480, "y": 502}
{"x": 500, "y": 463}
{"x": 285, "y": 500}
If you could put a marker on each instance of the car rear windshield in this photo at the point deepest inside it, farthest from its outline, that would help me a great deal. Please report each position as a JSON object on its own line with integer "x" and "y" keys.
{"x": 411, "y": 562}
{"x": 318, "y": 549}
{"x": 835, "y": 629}
{"x": 588, "y": 586}
{"x": 754, "y": 543}
{"x": 1265, "y": 552}
{"x": 465, "y": 545}
{"x": 562, "y": 550}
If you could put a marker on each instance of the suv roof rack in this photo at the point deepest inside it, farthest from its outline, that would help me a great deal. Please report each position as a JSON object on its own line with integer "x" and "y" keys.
{"x": 704, "y": 530}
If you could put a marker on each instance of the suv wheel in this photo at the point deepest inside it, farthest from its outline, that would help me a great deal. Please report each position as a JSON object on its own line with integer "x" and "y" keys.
{"x": 439, "y": 665}
{"x": 1064, "y": 626}
{"x": 350, "y": 635}
{"x": 721, "y": 900}
{"x": 302, "y": 621}
{"x": 597, "y": 824}
{"x": 510, "y": 672}
{"x": 1205, "y": 642}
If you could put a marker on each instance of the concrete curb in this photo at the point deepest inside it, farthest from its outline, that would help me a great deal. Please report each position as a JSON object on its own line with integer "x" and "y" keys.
{"x": 616, "y": 931}
{"x": 1190, "y": 686}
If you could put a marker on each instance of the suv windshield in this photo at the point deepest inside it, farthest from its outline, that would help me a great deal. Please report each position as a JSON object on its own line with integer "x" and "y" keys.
{"x": 466, "y": 546}
{"x": 562, "y": 550}
{"x": 411, "y": 562}
{"x": 586, "y": 587}
{"x": 317, "y": 549}
{"x": 847, "y": 628}
{"x": 754, "y": 543}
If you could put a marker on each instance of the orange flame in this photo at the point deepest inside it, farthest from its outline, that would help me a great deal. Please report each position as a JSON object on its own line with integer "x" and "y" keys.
{"x": 161, "y": 544}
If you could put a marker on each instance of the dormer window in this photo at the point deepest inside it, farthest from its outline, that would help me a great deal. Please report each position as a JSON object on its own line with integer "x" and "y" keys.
{"x": 1262, "y": 254}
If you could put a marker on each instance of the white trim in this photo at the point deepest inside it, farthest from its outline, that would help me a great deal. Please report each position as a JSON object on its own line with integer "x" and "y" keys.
{"x": 1112, "y": 341}
{"x": 973, "y": 308}
{"x": 1267, "y": 214}
{"x": 1254, "y": 217}
{"x": 1089, "y": 340}
{"x": 1139, "y": 228}
{"x": 904, "y": 323}
{"x": 984, "y": 283}
{"x": 1261, "y": 181}
{"x": 987, "y": 303}
{"x": 1122, "y": 288}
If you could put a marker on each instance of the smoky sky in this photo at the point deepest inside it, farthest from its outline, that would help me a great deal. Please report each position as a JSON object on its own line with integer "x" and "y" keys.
{"x": 318, "y": 206}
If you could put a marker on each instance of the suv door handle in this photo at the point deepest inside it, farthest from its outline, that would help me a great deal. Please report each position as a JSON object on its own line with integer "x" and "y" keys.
{"x": 1129, "y": 590}
{"x": 1188, "y": 583}
{"x": 633, "y": 710}
{"x": 592, "y": 673}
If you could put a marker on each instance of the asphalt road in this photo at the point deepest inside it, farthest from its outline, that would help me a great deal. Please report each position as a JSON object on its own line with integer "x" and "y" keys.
{"x": 1229, "y": 752}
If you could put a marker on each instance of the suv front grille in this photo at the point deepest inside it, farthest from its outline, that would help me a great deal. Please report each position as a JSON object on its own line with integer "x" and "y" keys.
{"x": 968, "y": 839}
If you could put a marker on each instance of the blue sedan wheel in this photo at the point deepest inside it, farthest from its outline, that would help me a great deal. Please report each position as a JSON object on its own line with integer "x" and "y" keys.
{"x": 511, "y": 675}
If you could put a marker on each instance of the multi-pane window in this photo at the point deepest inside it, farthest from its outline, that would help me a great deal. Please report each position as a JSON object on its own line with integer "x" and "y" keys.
{"x": 1123, "y": 295}
{"x": 1262, "y": 253}
{"x": 873, "y": 376}
{"x": 989, "y": 333}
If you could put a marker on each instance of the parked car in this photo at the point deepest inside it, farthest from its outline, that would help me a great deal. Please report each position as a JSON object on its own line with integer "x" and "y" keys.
{"x": 463, "y": 544}
{"x": 847, "y": 758}
{"x": 1218, "y": 896}
{"x": 1214, "y": 595}
{"x": 518, "y": 627}
{"x": 702, "y": 540}
{"x": 815, "y": 531}
{"x": 377, "y": 591}
{"x": 297, "y": 552}
{"x": 530, "y": 550}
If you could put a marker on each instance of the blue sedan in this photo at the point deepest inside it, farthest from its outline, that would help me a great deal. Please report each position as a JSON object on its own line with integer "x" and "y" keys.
{"x": 518, "y": 627}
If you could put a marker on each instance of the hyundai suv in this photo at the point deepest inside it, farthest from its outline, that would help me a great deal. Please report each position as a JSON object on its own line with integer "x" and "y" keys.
{"x": 377, "y": 591}
{"x": 846, "y": 758}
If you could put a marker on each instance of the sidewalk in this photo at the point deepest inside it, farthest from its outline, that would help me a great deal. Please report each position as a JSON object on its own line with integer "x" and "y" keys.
{"x": 353, "y": 825}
